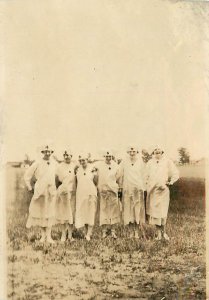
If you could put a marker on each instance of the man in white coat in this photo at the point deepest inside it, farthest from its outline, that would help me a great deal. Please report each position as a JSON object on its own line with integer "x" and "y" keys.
{"x": 161, "y": 172}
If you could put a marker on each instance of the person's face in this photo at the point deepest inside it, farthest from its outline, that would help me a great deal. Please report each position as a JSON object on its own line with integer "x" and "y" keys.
{"x": 108, "y": 158}
{"x": 83, "y": 162}
{"x": 132, "y": 153}
{"x": 67, "y": 158}
{"x": 158, "y": 153}
{"x": 46, "y": 154}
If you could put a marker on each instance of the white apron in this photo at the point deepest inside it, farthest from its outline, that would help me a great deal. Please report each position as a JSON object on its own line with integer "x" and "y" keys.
{"x": 158, "y": 173}
{"x": 65, "y": 204}
{"x": 42, "y": 206}
{"x": 108, "y": 193}
{"x": 133, "y": 191}
{"x": 86, "y": 197}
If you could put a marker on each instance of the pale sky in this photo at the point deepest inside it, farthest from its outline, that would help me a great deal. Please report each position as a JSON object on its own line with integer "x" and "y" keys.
{"x": 95, "y": 74}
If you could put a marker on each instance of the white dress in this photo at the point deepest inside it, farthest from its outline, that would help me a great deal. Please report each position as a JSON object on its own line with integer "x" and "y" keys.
{"x": 65, "y": 204}
{"x": 42, "y": 206}
{"x": 133, "y": 191}
{"x": 86, "y": 197}
{"x": 108, "y": 192}
{"x": 158, "y": 173}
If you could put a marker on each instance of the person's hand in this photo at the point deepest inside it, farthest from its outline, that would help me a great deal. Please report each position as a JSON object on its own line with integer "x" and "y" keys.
{"x": 73, "y": 193}
{"x": 30, "y": 189}
{"x": 160, "y": 187}
{"x": 169, "y": 183}
{"x": 120, "y": 193}
{"x": 63, "y": 193}
{"x": 76, "y": 169}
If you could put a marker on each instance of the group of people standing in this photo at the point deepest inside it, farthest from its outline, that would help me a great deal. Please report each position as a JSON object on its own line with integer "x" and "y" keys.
{"x": 70, "y": 193}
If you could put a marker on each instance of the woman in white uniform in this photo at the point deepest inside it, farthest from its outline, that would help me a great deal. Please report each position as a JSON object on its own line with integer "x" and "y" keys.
{"x": 108, "y": 172}
{"x": 132, "y": 183}
{"x": 160, "y": 173}
{"x": 86, "y": 195}
{"x": 65, "y": 204}
{"x": 42, "y": 206}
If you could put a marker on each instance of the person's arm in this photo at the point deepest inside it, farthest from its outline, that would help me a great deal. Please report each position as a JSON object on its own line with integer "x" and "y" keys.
{"x": 173, "y": 173}
{"x": 143, "y": 175}
{"x": 29, "y": 174}
{"x": 74, "y": 184}
{"x": 96, "y": 175}
{"x": 119, "y": 180}
{"x": 76, "y": 169}
{"x": 120, "y": 175}
{"x": 146, "y": 174}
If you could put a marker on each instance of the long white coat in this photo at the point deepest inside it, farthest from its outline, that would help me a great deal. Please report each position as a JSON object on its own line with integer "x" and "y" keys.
{"x": 108, "y": 192}
{"x": 132, "y": 174}
{"x": 65, "y": 204}
{"x": 42, "y": 206}
{"x": 86, "y": 197}
{"x": 158, "y": 173}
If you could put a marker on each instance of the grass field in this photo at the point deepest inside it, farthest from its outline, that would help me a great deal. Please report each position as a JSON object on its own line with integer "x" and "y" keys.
{"x": 110, "y": 269}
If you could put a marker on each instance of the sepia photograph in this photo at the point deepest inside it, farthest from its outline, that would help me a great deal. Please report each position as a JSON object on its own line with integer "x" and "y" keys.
{"x": 104, "y": 153}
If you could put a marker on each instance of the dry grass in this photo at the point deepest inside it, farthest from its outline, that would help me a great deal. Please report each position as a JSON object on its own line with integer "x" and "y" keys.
{"x": 107, "y": 269}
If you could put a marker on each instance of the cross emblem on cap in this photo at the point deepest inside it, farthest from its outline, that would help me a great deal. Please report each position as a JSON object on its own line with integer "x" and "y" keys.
{"x": 107, "y": 152}
{"x": 132, "y": 148}
{"x": 47, "y": 147}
